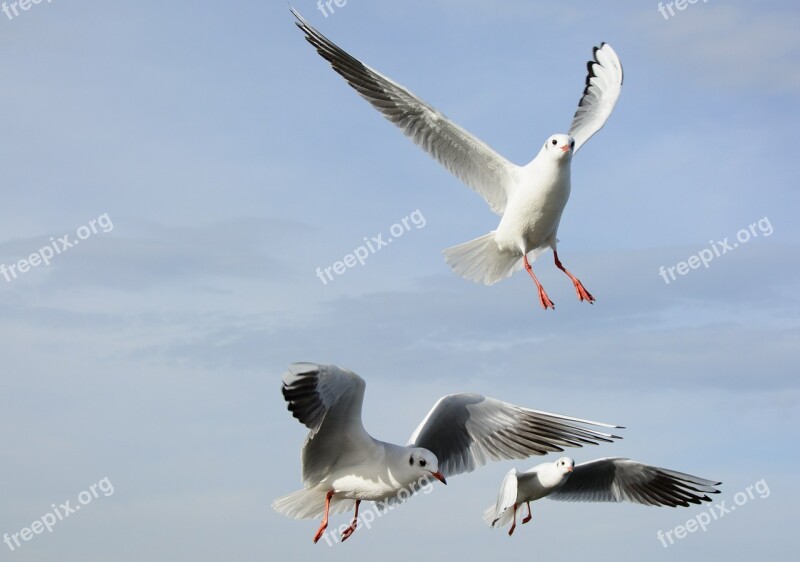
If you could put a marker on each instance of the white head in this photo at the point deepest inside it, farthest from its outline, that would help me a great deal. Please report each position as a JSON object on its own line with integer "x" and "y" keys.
{"x": 423, "y": 463}
{"x": 564, "y": 466}
{"x": 559, "y": 147}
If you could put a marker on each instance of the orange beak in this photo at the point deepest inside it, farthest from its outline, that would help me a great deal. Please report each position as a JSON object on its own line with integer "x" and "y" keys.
{"x": 440, "y": 477}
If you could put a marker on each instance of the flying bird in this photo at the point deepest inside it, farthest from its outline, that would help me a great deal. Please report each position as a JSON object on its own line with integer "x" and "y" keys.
{"x": 601, "y": 480}
{"x": 343, "y": 465}
{"x": 529, "y": 198}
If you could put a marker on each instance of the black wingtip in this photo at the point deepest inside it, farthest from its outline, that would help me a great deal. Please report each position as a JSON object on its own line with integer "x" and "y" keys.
{"x": 301, "y": 21}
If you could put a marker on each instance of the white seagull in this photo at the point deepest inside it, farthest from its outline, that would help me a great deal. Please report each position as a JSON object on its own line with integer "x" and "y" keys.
{"x": 530, "y": 198}
{"x": 601, "y": 480}
{"x": 342, "y": 463}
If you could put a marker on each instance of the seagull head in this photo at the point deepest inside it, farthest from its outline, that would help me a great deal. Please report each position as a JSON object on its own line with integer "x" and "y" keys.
{"x": 565, "y": 465}
{"x": 559, "y": 147}
{"x": 423, "y": 463}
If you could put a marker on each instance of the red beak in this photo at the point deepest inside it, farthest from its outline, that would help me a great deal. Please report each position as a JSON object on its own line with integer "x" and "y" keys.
{"x": 565, "y": 148}
{"x": 569, "y": 469}
{"x": 440, "y": 477}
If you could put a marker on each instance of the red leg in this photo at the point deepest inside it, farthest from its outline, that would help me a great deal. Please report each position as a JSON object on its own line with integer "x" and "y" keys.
{"x": 583, "y": 294}
{"x": 528, "y": 518}
{"x": 351, "y": 529}
{"x": 324, "y": 524}
{"x": 543, "y": 298}
{"x": 514, "y": 524}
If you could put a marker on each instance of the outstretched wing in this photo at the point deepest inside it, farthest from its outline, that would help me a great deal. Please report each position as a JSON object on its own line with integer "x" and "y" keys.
{"x": 603, "y": 87}
{"x": 327, "y": 400}
{"x": 618, "y": 480}
{"x": 466, "y": 431}
{"x": 468, "y": 158}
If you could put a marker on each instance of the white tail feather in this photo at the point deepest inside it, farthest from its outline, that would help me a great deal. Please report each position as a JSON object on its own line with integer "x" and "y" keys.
{"x": 482, "y": 261}
{"x": 489, "y": 514}
{"x": 309, "y": 503}
{"x": 501, "y": 513}
{"x": 498, "y": 520}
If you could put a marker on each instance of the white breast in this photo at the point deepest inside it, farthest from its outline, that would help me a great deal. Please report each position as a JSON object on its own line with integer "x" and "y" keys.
{"x": 357, "y": 487}
{"x": 534, "y": 208}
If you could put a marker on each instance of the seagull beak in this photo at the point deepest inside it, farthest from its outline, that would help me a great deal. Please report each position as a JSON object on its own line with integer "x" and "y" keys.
{"x": 565, "y": 148}
{"x": 440, "y": 477}
{"x": 569, "y": 469}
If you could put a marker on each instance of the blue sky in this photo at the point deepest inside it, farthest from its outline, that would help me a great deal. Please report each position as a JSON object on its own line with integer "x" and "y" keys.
{"x": 232, "y": 162}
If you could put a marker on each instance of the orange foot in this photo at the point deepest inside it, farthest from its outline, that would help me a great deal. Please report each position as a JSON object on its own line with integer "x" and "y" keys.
{"x": 583, "y": 294}
{"x": 545, "y": 300}
{"x": 352, "y": 528}
{"x": 349, "y": 531}
{"x": 324, "y": 524}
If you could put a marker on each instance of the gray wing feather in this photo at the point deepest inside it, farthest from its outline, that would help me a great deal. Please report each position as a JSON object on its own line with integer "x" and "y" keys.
{"x": 618, "y": 480}
{"x": 327, "y": 400}
{"x": 468, "y": 158}
{"x": 603, "y": 87}
{"x": 466, "y": 431}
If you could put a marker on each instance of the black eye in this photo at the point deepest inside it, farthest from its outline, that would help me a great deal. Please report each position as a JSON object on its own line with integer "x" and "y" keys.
{"x": 422, "y": 462}
{"x": 572, "y": 144}
{"x": 411, "y": 460}
{"x": 555, "y": 142}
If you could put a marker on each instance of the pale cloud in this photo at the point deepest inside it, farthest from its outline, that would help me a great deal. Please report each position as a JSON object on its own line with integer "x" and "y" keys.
{"x": 745, "y": 49}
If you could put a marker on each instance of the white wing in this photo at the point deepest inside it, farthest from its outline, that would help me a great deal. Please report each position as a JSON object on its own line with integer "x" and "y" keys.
{"x": 618, "y": 480}
{"x": 327, "y": 400}
{"x": 466, "y": 431}
{"x": 603, "y": 87}
{"x": 499, "y": 514}
{"x": 468, "y": 158}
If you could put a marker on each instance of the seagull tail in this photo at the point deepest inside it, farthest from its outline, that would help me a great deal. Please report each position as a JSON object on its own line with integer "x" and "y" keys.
{"x": 309, "y": 503}
{"x": 481, "y": 260}
{"x": 489, "y": 515}
{"x": 501, "y": 513}
{"x": 494, "y": 519}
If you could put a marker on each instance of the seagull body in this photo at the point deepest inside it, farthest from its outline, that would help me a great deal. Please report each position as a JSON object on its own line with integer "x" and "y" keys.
{"x": 601, "y": 480}
{"x": 343, "y": 465}
{"x": 534, "y": 206}
{"x": 529, "y": 198}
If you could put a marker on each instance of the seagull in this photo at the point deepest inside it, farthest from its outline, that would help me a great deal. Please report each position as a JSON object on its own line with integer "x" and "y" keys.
{"x": 601, "y": 480}
{"x": 529, "y": 198}
{"x": 342, "y": 463}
